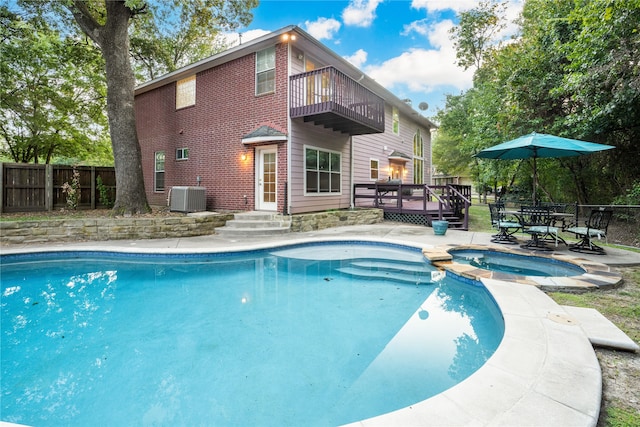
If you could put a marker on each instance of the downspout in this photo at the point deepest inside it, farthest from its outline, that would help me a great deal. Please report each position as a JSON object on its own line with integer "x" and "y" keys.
{"x": 289, "y": 183}
{"x": 351, "y": 175}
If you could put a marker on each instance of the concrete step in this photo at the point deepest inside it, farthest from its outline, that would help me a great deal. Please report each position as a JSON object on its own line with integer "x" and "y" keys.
{"x": 253, "y": 224}
{"x": 249, "y": 224}
{"x": 251, "y": 232}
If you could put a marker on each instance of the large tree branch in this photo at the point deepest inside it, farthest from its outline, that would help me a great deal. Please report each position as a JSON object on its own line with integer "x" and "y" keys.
{"x": 86, "y": 21}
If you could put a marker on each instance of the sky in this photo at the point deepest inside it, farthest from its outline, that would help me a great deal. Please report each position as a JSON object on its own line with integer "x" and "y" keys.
{"x": 403, "y": 44}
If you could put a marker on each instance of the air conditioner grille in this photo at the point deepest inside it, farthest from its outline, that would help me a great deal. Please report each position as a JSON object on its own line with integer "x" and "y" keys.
{"x": 188, "y": 199}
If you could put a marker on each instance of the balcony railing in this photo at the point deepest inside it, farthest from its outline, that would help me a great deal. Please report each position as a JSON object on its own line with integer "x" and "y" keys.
{"x": 330, "y": 98}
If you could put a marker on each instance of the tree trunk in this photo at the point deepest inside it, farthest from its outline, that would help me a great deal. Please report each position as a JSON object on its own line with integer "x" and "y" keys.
{"x": 113, "y": 39}
{"x": 130, "y": 194}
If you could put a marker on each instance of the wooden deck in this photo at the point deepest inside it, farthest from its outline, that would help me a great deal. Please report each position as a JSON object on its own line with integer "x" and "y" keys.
{"x": 417, "y": 203}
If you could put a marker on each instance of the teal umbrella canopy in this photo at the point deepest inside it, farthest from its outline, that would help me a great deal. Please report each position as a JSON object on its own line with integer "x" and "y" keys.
{"x": 540, "y": 145}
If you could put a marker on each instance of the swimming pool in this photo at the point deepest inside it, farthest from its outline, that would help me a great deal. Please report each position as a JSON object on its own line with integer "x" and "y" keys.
{"x": 308, "y": 334}
{"x": 523, "y": 265}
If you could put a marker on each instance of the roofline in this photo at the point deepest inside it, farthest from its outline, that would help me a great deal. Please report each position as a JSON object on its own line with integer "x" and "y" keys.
{"x": 214, "y": 60}
{"x": 268, "y": 40}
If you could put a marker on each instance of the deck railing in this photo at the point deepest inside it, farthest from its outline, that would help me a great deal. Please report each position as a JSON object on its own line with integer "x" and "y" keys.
{"x": 329, "y": 91}
{"x": 437, "y": 201}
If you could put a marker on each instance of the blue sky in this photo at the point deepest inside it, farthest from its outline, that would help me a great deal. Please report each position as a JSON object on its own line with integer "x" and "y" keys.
{"x": 403, "y": 44}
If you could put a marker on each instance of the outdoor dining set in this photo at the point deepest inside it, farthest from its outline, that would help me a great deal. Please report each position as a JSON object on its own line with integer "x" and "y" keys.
{"x": 544, "y": 222}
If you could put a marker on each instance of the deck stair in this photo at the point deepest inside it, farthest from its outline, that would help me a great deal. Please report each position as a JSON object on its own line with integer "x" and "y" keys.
{"x": 455, "y": 222}
{"x": 408, "y": 273}
{"x": 256, "y": 223}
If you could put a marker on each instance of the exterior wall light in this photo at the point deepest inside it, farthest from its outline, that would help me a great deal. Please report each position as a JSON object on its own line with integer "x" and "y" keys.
{"x": 286, "y": 37}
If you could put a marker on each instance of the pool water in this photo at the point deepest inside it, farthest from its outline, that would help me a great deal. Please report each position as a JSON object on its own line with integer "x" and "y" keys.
{"x": 306, "y": 335}
{"x": 523, "y": 265}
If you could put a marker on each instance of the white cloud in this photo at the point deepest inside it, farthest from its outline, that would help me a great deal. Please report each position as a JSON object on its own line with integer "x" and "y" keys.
{"x": 421, "y": 27}
{"x": 440, "y": 5}
{"x": 424, "y": 70}
{"x": 323, "y": 28}
{"x": 360, "y": 13}
{"x": 358, "y": 58}
{"x": 514, "y": 7}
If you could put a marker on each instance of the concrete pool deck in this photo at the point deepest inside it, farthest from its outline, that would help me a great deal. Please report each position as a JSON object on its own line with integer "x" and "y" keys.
{"x": 544, "y": 372}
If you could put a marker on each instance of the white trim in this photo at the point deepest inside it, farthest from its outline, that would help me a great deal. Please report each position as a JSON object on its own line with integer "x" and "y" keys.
{"x": 259, "y": 164}
{"x": 259, "y": 139}
{"x": 304, "y": 171}
{"x": 371, "y": 159}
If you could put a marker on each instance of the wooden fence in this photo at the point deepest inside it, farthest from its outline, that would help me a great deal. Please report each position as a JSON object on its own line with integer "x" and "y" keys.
{"x": 36, "y": 187}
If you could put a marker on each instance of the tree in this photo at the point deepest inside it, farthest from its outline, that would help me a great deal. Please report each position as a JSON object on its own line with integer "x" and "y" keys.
{"x": 476, "y": 32}
{"x": 572, "y": 72}
{"x": 46, "y": 111}
{"x": 107, "y": 24}
{"x": 160, "y": 50}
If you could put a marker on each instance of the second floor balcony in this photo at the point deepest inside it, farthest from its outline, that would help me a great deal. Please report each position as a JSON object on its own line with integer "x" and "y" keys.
{"x": 330, "y": 98}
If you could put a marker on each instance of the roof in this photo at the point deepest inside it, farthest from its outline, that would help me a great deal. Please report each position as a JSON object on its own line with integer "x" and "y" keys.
{"x": 397, "y": 155}
{"x": 264, "y": 133}
{"x": 307, "y": 43}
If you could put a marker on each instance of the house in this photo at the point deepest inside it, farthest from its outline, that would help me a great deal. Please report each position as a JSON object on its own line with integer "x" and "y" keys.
{"x": 280, "y": 123}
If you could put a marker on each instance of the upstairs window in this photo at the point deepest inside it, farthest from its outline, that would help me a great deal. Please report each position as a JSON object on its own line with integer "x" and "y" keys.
{"x": 395, "y": 117}
{"x": 182, "y": 154}
{"x": 186, "y": 92}
{"x": 266, "y": 71}
{"x": 418, "y": 158}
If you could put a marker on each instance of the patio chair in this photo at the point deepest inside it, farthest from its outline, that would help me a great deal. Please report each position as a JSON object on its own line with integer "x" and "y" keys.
{"x": 536, "y": 221}
{"x": 506, "y": 226}
{"x": 595, "y": 227}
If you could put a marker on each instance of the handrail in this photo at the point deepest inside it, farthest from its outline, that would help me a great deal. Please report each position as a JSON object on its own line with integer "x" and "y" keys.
{"x": 467, "y": 203}
{"x": 440, "y": 201}
{"x": 448, "y": 199}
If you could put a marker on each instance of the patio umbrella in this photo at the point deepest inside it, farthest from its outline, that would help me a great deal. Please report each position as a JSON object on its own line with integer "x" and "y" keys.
{"x": 539, "y": 145}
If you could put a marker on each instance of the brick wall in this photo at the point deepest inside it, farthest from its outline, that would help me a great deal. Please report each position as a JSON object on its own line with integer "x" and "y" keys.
{"x": 226, "y": 109}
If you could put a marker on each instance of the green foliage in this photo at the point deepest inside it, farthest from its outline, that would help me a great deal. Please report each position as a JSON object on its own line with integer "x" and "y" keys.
{"x": 621, "y": 417}
{"x": 170, "y": 35}
{"x": 475, "y": 34}
{"x": 104, "y": 192}
{"x": 52, "y": 93}
{"x": 632, "y": 196}
{"x": 573, "y": 72}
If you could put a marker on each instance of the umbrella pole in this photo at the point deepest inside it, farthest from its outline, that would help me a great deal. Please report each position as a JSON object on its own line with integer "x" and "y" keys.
{"x": 535, "y": 181}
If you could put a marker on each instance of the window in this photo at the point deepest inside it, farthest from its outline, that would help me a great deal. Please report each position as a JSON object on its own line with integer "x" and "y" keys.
{"x": 322, "y": 171}
{"x": 182, "y": 154}
{"x": 186, "y": 92}
{"x": 374, "y": 166}
{"x": 266, "y": 71}
{"x": 395, "y": 117}
{"x": 159, "y": 172}
{"x": 418, "y": 158}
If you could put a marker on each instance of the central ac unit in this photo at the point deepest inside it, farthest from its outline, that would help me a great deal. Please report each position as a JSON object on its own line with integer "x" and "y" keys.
{"x": 188, "y": 199}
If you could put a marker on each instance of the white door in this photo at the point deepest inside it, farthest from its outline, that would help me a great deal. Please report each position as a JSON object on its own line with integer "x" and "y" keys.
{"x": 266, "y": 182}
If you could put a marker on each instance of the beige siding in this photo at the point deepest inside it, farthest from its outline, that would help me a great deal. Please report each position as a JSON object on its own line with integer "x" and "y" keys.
{"x": 308, "y": 134}
{"x": 371, "y": 146}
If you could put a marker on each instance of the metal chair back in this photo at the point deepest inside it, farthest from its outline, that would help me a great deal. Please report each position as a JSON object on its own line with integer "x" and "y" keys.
{"x": 599, "y": 219}
{"x": 535, "y": 215}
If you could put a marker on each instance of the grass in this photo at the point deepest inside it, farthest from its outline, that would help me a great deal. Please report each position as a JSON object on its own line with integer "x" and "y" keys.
{"x": 618, "y": 417}
{"x": 622, "y": 307}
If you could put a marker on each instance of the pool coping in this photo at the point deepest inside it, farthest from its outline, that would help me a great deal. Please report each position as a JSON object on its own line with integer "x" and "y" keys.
{"x": 596, "y": 275}
{"x": 544, "y": 372}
